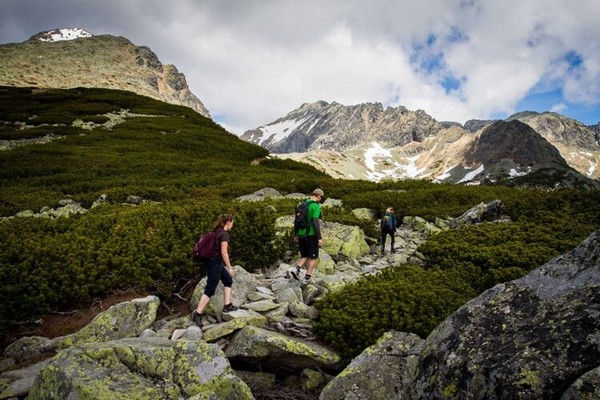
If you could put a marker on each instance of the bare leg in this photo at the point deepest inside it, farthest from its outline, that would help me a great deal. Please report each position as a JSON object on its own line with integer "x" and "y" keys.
{"x": 202, "y": 304}
{"x": 226, "y": 295}
{"x": 311, "y": 264}
{"x": 301, "y": 262}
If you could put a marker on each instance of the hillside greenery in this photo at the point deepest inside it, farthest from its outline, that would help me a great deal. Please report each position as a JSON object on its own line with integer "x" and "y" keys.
{"x": 195, "y": 170}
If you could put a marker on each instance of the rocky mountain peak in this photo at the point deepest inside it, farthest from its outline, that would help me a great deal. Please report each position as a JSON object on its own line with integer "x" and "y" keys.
{"x": 512, "y": 141}
{"x": 60, "y": 34}
{"x": 54, "y": 59}
{"x": 334, "y": 126}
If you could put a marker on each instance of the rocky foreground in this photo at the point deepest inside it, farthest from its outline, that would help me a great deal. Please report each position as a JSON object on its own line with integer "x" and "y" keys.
{"x": 535, "y": 337}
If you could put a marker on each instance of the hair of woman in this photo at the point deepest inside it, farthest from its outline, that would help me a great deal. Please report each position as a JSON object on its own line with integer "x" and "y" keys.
{"x": 222, "y": 220}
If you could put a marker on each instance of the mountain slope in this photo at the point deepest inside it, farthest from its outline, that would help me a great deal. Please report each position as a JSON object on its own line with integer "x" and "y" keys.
{"x": 83, "y": 143}
{"x": 68, "y": 59}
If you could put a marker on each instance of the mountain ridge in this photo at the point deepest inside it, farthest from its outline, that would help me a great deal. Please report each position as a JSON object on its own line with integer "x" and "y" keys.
{"x": 101, "y": 61}
{"x": 368, "y": 141}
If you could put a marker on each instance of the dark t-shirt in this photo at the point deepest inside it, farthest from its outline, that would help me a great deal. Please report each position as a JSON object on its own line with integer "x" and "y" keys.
{"x": 222, "y": 236}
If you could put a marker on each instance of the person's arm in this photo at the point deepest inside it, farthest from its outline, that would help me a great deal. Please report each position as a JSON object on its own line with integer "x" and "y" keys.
{"x": 225, "y": 257}
{"x": 317, "y": 223}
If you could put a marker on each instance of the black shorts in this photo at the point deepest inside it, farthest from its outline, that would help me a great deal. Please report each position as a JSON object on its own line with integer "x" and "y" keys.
{"x": 309, "y": 247}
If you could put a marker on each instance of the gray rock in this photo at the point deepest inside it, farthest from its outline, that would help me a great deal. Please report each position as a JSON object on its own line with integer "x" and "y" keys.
{"x": 244, "y": 283}
{"x": 151, "y": 368}
{"x": 273, "y": 351}
{"x": 123, "y": 320}
{"x": 480, "y": 213}
{"x": 18, "y": 383}
{"x": 382, "y": 371}
{"x": 587, "y": 387}
{"x": 529, "y": 338}
{"x": 288, "y": 295}
{"x": 262, "y": 194}
{"x": 364, "y": 213}
{"x": 26, "y": 348}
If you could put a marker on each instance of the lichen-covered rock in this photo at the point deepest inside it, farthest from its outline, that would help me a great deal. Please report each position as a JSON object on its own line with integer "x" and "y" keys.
{"x": 17, "y": 383}
{"x": 301, "y": 310}
{"x": 364, "y": 213}
{"x": 150, "y": 368}
{"x": 587, "y": 387}
{"x": 123, "y": 320}
{"x": 217, "y": 331}
{"x": 26, "y": 348}
{"x": 420, "y": 225}
{"x": 382, "y": 371}
{"x": 273, "y": 351}
{"x": 340, "y": 241}
{"x": 526, "y": 339}
{"x": 244, "y": 283}
{"x": 312, "y": 380}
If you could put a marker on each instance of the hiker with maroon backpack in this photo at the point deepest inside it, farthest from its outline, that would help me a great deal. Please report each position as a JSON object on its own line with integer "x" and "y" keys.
{"x": 217, "y": 264}
{"x": 307, "y": 232}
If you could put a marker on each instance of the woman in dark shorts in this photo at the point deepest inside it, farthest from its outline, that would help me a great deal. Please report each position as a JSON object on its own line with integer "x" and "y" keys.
{"x": 218, "y": 268}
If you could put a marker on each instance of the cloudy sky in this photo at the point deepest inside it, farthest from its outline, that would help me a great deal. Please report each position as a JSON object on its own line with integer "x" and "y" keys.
{"x": 251, "y": 62}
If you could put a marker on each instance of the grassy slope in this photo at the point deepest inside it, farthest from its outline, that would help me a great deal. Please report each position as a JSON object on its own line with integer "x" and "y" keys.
{"x": 172, "y": 157}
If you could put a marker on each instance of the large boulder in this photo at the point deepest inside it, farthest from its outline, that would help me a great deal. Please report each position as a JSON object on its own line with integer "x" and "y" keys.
{"x": 482, "y": 212}
{"x": 528, "y": 339}
{"x": 380, "y": 371}
{"x": 340, "y": 241}
{"x": 123, "y": 320}
{"x": 343, "y": 242}
{"x": 274, "y": 352}
{"x": 262, "y": 194}
{"x": 148, "y": 368}
{"x": 244, "y": 283}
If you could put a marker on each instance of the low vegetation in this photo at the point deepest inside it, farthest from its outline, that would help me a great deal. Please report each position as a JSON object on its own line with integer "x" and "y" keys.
{"x": 195, "y": 170}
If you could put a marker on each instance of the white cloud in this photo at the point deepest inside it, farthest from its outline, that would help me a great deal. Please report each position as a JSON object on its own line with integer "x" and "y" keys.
{"x": 253, "y": 62}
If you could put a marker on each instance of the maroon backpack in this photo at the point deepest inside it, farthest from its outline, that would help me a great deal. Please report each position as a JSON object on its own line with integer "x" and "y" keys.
{"x": 204, "y": 248}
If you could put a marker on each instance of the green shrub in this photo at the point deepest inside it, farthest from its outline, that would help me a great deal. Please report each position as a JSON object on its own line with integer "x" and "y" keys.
{"x": 406, "y": 298}
{"x": 45, "y": 264}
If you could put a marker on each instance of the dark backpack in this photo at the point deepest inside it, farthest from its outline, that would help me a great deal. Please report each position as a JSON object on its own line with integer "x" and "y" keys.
{"x": 388, "y": 223}
{"x": 204, "y": 249}
{"x": 301, "y": 216}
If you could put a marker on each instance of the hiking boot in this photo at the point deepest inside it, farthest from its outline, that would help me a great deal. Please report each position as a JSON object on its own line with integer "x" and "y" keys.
{"x": 229, "y": 307}
{"x": 197, "y": 318}
{"x": 295, "y": 273}
{"x": 307, "y": 280}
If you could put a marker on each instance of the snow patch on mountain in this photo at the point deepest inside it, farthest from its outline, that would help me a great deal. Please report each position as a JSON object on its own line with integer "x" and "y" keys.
{"x": 469, "y": 177}
{"x": 377, "y": 159}
{"x": 57, "y": 35}
{"x": 278, "y": 131}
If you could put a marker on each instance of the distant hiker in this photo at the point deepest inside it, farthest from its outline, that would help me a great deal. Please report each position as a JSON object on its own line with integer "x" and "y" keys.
{"x": 388, "y": 227}
{"x": 308, "y": 234}
{"x": 218, "y": 268}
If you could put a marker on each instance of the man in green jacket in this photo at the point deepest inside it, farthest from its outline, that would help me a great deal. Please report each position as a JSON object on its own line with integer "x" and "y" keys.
{"x": 310, "y": 239}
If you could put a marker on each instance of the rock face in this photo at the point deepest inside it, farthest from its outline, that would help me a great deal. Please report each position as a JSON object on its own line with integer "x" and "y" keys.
{"x": 148, "y": 368}
{"x": 528, "y": 338}
{"x": 312, "y": 127}
{"x": 102, "y": 61}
